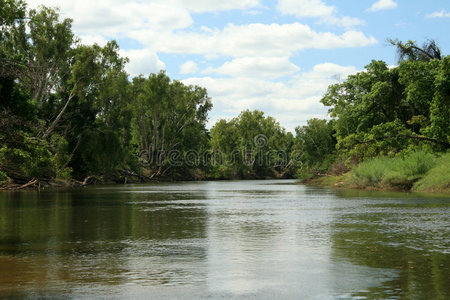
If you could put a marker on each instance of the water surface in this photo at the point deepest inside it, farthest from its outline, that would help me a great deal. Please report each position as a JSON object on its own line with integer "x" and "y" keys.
{"x": 227, "y": 239}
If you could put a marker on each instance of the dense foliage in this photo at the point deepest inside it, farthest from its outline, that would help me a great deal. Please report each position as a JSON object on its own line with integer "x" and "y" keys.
{"x": 251, "y": 146}
{"x": 70, "y": 111}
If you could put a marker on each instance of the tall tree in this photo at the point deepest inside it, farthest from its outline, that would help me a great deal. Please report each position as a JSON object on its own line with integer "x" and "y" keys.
{"x": 163, "y": 112}
{"x": 411, "y": 51}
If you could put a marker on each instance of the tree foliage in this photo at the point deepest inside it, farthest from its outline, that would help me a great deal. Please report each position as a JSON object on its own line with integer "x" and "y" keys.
{"x": 251, "y": 146}
{"x": 384, "y": 111}
{"x": 168, "y": 119}
{"x": 70, "y": 110}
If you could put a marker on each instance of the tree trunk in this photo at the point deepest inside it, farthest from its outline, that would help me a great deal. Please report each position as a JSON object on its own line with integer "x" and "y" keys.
{"x": 55, "y": 122}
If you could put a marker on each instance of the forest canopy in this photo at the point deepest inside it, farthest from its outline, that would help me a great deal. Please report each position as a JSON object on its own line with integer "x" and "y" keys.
{"x": 70, "y": 112}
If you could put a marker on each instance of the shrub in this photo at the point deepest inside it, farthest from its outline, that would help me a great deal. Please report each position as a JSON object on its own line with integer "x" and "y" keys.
{"x": 371, "y": 172}
{"x": 438, "y": 178}
{"x": 399, "y": 172}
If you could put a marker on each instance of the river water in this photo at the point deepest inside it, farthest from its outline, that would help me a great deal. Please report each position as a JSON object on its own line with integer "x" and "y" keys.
{"x": 225, "y": 239}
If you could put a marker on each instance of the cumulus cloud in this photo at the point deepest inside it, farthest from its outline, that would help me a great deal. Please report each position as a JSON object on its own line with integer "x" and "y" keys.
{"x": 293, "y": 102}
{"x": 142, "y": 61}
{"x": 382, "y": 5}
{"x": 306, "y": 8}
{"x": 259, "y": 67}
{"x": 90, "y": 39}
{"x": 251, "y": 40}
{"x": 258, "y": 72}
{"x": 317, "y": 9}
{"x": 164, "y": 27}
{"x": 114, "y": 18}
{"x": 201, "y": 6}
{"x": 439, "y": 14}
{"x": 189, "y": 67}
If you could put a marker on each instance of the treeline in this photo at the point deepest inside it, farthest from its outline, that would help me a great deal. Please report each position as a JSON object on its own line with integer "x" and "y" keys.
{"x": 385, "y": 111}
{"x": 70, "y": 112}
{"x": 392, "y": 121}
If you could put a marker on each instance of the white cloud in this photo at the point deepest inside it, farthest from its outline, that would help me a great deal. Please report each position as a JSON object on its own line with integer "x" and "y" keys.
{"x": 346, "y": 22}
{"x": 189, "y": 67}
{"x": 142, "y": 61}
{"x": 439, "y": 14}
{"x": 291, "y": 102}
{"x": 306, "y": 8}
{"x": 251, "y": 40}
{"x": 256, "y": 53}
{"x": 201, "y": 6}
{"x": 257, "y": 67}
{"x": 317, "y": 9}
{"x": 91, "y": 39}
{"x": 382, "y": 5}
{"x": 114, "y": 18}
{"x": 165, "y": 27}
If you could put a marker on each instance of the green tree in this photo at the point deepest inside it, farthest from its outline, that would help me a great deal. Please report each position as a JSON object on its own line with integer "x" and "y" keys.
{"x": 412, "y": 52}
{"x": 251, "y": 146}
{"x": 317, "y": 144}
{"x": 167, "y": 117}
{"x": 440, "y": 107}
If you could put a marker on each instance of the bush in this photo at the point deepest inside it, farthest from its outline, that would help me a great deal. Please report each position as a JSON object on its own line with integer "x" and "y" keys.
{"x": 339, "y": 168}
{"x": 438, "y": 178}
{"x": 398, "y": 172}
{"x": 371, "y": 172}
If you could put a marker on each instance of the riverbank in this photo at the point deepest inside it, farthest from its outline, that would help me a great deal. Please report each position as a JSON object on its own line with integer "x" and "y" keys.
{"x": 417, "y": 172}
{"x": 41, "y": 184}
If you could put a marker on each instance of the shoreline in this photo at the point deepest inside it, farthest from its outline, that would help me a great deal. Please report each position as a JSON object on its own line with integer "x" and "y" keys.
{"x": 346, "y": 182}
{"x": 37, "y": 184}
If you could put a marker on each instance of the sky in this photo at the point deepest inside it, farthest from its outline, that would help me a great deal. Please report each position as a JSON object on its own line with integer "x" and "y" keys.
{"x": 276, "y": 56}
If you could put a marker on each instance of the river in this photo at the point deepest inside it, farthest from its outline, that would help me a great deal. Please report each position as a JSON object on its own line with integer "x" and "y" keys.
{"x": 224, "y": 239}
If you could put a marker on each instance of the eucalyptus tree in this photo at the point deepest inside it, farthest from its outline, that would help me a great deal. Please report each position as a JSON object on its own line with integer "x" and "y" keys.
{"x": 167, "y": 117}
{"x": 251, "y": 145}
{"x": 411, "y": 51}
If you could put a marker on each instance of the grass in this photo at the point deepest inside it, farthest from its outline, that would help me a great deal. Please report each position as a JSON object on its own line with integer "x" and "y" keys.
{"x": 400, "y": 173}
{"x": 417, "y": 171}
{"x": 438, "y": 178}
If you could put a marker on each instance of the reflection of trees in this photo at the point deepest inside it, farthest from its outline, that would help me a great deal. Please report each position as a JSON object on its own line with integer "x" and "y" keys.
{"x": 61, "y": 238}
{"x": 409, "y": 236}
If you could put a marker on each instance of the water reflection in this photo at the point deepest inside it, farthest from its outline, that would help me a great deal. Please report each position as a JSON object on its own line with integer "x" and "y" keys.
{"x": 257, "y": 239}
{"x": 406, "y": 233}
{"x": 49, "y": 241}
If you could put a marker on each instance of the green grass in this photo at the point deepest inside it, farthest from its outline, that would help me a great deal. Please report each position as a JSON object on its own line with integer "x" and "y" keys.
{"x": 394, "y": 173}
{"x": 438, "y": 178}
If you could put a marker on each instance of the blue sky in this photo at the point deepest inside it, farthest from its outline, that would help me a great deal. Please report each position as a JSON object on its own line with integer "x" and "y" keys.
{"x": 276, "y": 56}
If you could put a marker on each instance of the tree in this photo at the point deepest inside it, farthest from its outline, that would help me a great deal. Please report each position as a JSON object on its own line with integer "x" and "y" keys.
{"x": 411, "y": 51}
{"x": 251, "y": 146}
{"x": 164, "y": 112}
{"x": 440, "y": 107}
{"x": 387, "y": 111}
{"x": 37, "y": 49}
{"x": 316, "y": 144}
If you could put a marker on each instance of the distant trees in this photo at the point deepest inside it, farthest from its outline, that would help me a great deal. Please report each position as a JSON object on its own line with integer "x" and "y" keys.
{"x": 69, "y": 110}
{"x": 317, "y": 144}
{"x": 251, "y": 146}
{"x": 168, "y": 119}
